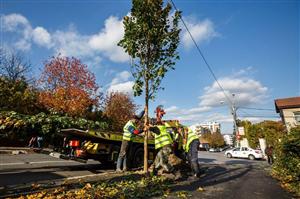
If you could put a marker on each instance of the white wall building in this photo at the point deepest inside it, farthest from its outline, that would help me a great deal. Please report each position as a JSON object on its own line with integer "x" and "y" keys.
{"x": 211, "y": 126}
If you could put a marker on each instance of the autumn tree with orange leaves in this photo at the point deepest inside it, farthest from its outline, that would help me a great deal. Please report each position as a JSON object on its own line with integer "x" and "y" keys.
{"x": 120, "y": 108}
{"x": 68, "y": 86}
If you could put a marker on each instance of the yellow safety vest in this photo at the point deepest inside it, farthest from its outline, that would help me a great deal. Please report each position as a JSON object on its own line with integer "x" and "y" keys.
{"x": 191, "y": 137}
{"x": 163, "y": 138}
{"x": 127, "y": 135}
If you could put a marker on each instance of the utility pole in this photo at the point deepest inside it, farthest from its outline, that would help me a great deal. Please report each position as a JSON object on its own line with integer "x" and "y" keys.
{"x": 233, "y": 112}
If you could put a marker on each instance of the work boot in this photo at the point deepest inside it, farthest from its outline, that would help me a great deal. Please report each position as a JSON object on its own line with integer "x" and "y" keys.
{"x": 195, "y": 167}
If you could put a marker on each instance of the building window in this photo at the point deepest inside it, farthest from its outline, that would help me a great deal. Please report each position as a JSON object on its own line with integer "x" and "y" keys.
{"x": 297, "y": 116}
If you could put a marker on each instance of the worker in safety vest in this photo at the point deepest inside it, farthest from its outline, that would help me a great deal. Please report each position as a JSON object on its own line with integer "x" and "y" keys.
{"x": 191, "y": 144}
{"x": 129, "y": 132}
{"x": 163, "y": 143}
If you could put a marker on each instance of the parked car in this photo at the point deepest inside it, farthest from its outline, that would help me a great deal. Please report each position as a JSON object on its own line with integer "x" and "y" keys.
{"x": 214, "y": 150}
{"x": 244, "y": 152}
{"x": 226, "y": 148}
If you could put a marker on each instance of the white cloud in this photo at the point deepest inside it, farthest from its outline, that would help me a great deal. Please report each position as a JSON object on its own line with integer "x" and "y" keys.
{"x": 19, "y": 24}
{"x": 23, "y": 45}
{"x": 41, "y": 37}
{"x": 172, "y": 110}
{"x": 125, "y": 87}
{"x": 70, "y": 42}
{"x": 186, "y": 114}
{"x": 13, "y": 22}
{"x": 107, "y": 39}
{"x": 121, "y": 77}
{"x": 247, "y": 92}
{"x": 121, "y": 83}
{"x": 200, "y": 30}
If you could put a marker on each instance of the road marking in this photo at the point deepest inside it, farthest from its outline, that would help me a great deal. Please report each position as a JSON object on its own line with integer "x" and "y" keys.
{"x": 40, "y": 162}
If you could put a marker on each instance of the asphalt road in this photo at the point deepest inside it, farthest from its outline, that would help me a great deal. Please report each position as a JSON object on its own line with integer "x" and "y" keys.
{"x": 224, "y": 178}
{"x": 32, "y": 168}
{"x": 231, "y": 179}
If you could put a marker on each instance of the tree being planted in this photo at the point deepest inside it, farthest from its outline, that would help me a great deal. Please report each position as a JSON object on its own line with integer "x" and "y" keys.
{"x": 151, "y": 39}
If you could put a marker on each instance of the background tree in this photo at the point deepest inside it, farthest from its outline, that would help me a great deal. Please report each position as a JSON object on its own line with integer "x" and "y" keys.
{"x": 151, "y": 39}
{"x": 13, "y": 66}
{"x": 272, "y": 131}
{"x": 18, "y": 96}
{"x": 119, "y": 107}
{"x": 68, "y": 86}
{"x": 216, "y": 140}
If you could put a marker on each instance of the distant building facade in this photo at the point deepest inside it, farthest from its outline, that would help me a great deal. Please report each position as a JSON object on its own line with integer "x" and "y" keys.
{"x": 289, "y": 110}
{"x": 228, "y": 139}
{"x": 211, "y": 127}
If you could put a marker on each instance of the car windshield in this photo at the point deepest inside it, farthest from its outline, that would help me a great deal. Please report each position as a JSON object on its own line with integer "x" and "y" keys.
{"x": 236, "y": 149}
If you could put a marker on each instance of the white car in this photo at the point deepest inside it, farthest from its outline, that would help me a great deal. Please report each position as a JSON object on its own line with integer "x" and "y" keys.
{"x": 244, "y": 152}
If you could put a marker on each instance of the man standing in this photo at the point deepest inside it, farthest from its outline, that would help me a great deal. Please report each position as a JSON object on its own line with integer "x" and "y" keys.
{"x": 191, "y": 144}
{"x": 269, "y": 153}
{"x": 163, "y": 143}
{"x": 129, "y": 131}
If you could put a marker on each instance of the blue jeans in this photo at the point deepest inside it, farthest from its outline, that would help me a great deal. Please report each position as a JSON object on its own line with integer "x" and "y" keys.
{"x": 193, "y": 156}
{"x": 122, "y": 159}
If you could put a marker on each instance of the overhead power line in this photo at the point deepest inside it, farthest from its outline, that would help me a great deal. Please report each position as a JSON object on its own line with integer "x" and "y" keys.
{"x": 202, "y": 55}
{"x": 259, "y": 109}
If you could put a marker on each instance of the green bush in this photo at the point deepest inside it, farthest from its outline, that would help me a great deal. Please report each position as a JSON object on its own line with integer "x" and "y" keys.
{"x": 18, "y": 126}
{"x": 287, "y": 163}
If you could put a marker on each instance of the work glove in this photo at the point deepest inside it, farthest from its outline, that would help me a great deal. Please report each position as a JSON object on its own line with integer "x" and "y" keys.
{"x": 136, "y": 132}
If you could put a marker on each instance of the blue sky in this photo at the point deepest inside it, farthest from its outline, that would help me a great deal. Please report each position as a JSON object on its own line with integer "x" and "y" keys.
{"x": 252, "y": 46}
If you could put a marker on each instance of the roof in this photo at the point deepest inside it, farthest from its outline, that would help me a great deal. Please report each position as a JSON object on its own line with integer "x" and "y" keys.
{"x": 286, "y": 103}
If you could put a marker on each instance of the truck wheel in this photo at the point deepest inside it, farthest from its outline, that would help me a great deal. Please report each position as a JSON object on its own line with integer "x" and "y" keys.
{"x": 138, "y": 159}
{"x": 229, "y": 155}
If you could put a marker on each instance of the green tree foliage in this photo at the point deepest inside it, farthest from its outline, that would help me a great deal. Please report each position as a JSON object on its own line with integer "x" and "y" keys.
{"x": 15, "y": 125}
{"x": 272, "y": 131}
{"x": 215, "y": 140}
{"x": 151, "y": 39}
{"x": 287, "y": 161}
{"x": 17, "y": 95}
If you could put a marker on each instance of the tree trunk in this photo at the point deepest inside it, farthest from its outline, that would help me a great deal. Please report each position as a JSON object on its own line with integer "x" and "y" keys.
{"x": 146, "y": 122}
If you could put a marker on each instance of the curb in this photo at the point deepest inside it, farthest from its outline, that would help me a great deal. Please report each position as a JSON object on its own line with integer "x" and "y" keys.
{"x": 13, "y": 152}
{"x": 71, "y": 182}
{"x": 24, "y": 150}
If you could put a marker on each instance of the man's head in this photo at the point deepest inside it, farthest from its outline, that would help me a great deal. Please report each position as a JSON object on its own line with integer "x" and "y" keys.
{"x": 138, "y": 117}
